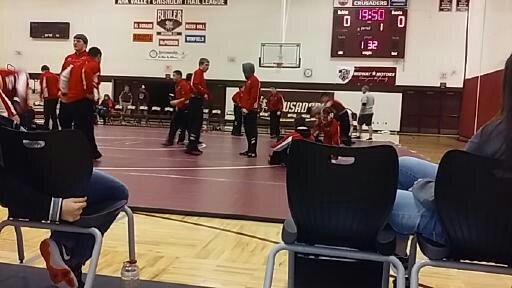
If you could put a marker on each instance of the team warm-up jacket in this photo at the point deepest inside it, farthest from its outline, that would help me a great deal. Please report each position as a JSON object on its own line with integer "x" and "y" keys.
{"x": 199, "y": 84}
{"x": 251, "y": 97}
{"x": 284, "y": 143}
{"x": 49, "y": 85}
{"x": 83, "y": 80}
{"x": 182, "y": 91}
{"x": 236, "y": 98}
{"x": 275, "y": 102}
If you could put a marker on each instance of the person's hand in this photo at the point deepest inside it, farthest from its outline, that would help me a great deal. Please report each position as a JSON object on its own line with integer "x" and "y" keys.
{"x": 244, "y": 111}
{"x": 16, "y": 119}
{"x": 206, "y": 97}
{"x": 278, "y": 113}
{"x": 72, "y": 208}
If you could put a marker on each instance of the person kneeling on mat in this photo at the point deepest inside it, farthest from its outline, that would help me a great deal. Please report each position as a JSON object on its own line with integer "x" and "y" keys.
{"x": 328, "y": 127}
{"x": 249, "y": 102}
{"x": 280, "y": 149}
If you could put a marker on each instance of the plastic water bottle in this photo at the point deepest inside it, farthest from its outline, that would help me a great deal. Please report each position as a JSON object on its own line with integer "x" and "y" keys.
{"x": 130, "y": 274}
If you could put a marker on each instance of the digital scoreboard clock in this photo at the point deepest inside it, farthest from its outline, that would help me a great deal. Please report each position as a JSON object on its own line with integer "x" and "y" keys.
{"x": 373, "y": 32}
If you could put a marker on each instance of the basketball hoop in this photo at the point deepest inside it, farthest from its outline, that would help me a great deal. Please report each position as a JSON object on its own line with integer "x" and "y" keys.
{"x": 278, "y": 65}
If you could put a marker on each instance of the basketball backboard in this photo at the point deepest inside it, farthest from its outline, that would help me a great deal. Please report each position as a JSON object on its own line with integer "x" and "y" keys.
{"x": 280, "y": 55}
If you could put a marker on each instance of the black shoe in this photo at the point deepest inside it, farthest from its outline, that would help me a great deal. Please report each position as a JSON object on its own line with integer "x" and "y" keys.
{"x": 97, "y": 155}
{"x": 370, "y": 139}
{"x": 357, "y": 137}
{"x": 251, "y": 155}
{"x": 245, "y": 153}
{"x": 181, "y": 143}
{"x": 168, "y": 143}
{"x": 194, "y": 152}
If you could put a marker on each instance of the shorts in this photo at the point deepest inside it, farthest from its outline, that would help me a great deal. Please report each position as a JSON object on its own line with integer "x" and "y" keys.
{"x": 365, "y": 119}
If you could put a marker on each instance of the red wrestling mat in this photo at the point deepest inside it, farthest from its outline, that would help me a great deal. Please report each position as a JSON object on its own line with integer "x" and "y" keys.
{"x": 219, "y": 183}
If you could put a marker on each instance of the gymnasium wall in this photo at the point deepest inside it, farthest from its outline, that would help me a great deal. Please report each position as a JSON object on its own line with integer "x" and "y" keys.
{"x": 434, "y": 52}
{"x": 489, "y": 46}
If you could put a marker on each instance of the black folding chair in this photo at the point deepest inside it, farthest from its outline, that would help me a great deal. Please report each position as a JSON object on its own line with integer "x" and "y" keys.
{"x": 336, "y": 210}
{"x": 473, "y": 198}
{"x": 58, "y": 163}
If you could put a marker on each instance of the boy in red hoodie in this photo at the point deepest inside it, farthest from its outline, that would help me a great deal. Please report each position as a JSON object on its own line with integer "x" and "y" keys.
{"x": 275, "y": 106}
{"x": 329, "y": 128}
{"x": 250, "y": 103}
{"x": 50, "y": 96}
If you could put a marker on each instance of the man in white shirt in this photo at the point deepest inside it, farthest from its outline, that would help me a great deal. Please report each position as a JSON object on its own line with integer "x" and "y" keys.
{"x": 366, "y": 113}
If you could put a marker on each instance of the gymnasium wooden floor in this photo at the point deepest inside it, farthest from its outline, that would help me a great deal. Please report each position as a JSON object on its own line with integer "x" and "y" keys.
{"x": 225, "y": 253}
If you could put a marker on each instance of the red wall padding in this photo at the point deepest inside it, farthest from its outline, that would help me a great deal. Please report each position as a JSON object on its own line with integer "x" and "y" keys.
{"x": 489, "y": 100}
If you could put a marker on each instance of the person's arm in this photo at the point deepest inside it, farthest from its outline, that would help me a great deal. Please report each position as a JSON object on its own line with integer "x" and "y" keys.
{"x": 43, "y": 89}
{"x": 24, "y": 202}
{"x": 364, "y": 101}
{"x": 235, "y": 97}
{"x": 90, "y": 76}
{"x": 335, "y": 132}
{"x": 253, "y": 93}
{"x": 281, "y": 104}
{"x": 8, "y": 107}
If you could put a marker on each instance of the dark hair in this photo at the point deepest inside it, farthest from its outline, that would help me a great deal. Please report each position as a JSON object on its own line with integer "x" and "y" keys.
{"x": 178, "y": 72}
{"x": 328, "y": 95}
{"x": 240, "y": 87}
{"x": 82, "y": 37}
{"x": 203, "y": 61}
{"x": 188, "y": 77}
{"x": 94, "y": 52}
{"x": 45, "y": 68}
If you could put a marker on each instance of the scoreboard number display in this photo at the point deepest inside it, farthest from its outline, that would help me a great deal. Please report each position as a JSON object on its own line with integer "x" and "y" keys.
{"x": 372, "y": 32}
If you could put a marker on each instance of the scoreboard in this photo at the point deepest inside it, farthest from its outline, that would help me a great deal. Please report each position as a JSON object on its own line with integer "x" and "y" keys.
{"x": 373, "y": 32}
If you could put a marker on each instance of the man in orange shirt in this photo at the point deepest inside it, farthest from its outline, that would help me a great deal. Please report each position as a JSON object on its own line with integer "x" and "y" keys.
{"x": 250, "y": 104}
{"x": 49, "y": 94}
{"x": 195, "y": 107}
{"x": 78, "y": 95}
{"x": 182, "y": 95}
{"x": 237, "y": 123}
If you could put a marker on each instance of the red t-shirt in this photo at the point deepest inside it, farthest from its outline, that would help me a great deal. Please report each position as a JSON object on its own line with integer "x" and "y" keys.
{"x": 336, "y": 106}
{"x": 251, "y": 97}
{"x": 49, "y": 83}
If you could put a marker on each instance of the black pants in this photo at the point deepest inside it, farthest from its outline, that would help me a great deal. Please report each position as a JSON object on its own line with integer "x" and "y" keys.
{"x": 195, "y": 122}
{"x": 237, "y": 124}
{"x": 275, "y": 124}
{"x": 79, "y": 115}
{"x": 344, "y": 122}
{"x": 178, "y": 123}
{"x": 251, "y": 131}
{"x": 50, "y": 113}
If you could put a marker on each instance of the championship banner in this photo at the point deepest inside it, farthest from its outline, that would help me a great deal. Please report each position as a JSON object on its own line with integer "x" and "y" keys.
{"x": 173, "y": 2}
{"x": 445, "y": 5}
{"x": 296, "y": 103}
{"x": 371, "y": 76}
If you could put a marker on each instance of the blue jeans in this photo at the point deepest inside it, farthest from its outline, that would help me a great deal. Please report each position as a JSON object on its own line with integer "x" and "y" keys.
{"x": 409, "y": 216}
{"x": 101, "y": 188}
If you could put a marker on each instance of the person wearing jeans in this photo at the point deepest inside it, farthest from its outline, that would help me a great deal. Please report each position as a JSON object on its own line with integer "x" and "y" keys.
{"x": 409, "y": 216}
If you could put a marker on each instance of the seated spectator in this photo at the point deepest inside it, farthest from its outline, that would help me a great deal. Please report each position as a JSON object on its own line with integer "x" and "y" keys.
{"x": 64, "y": 253}
{"x": 280, "y": 148}
{"x": 105, "y": 108}
{"x": 414, "y": 211}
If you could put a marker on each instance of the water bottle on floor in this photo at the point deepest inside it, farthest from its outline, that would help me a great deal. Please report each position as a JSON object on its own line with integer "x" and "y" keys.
{"x": 130, "y": 274}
